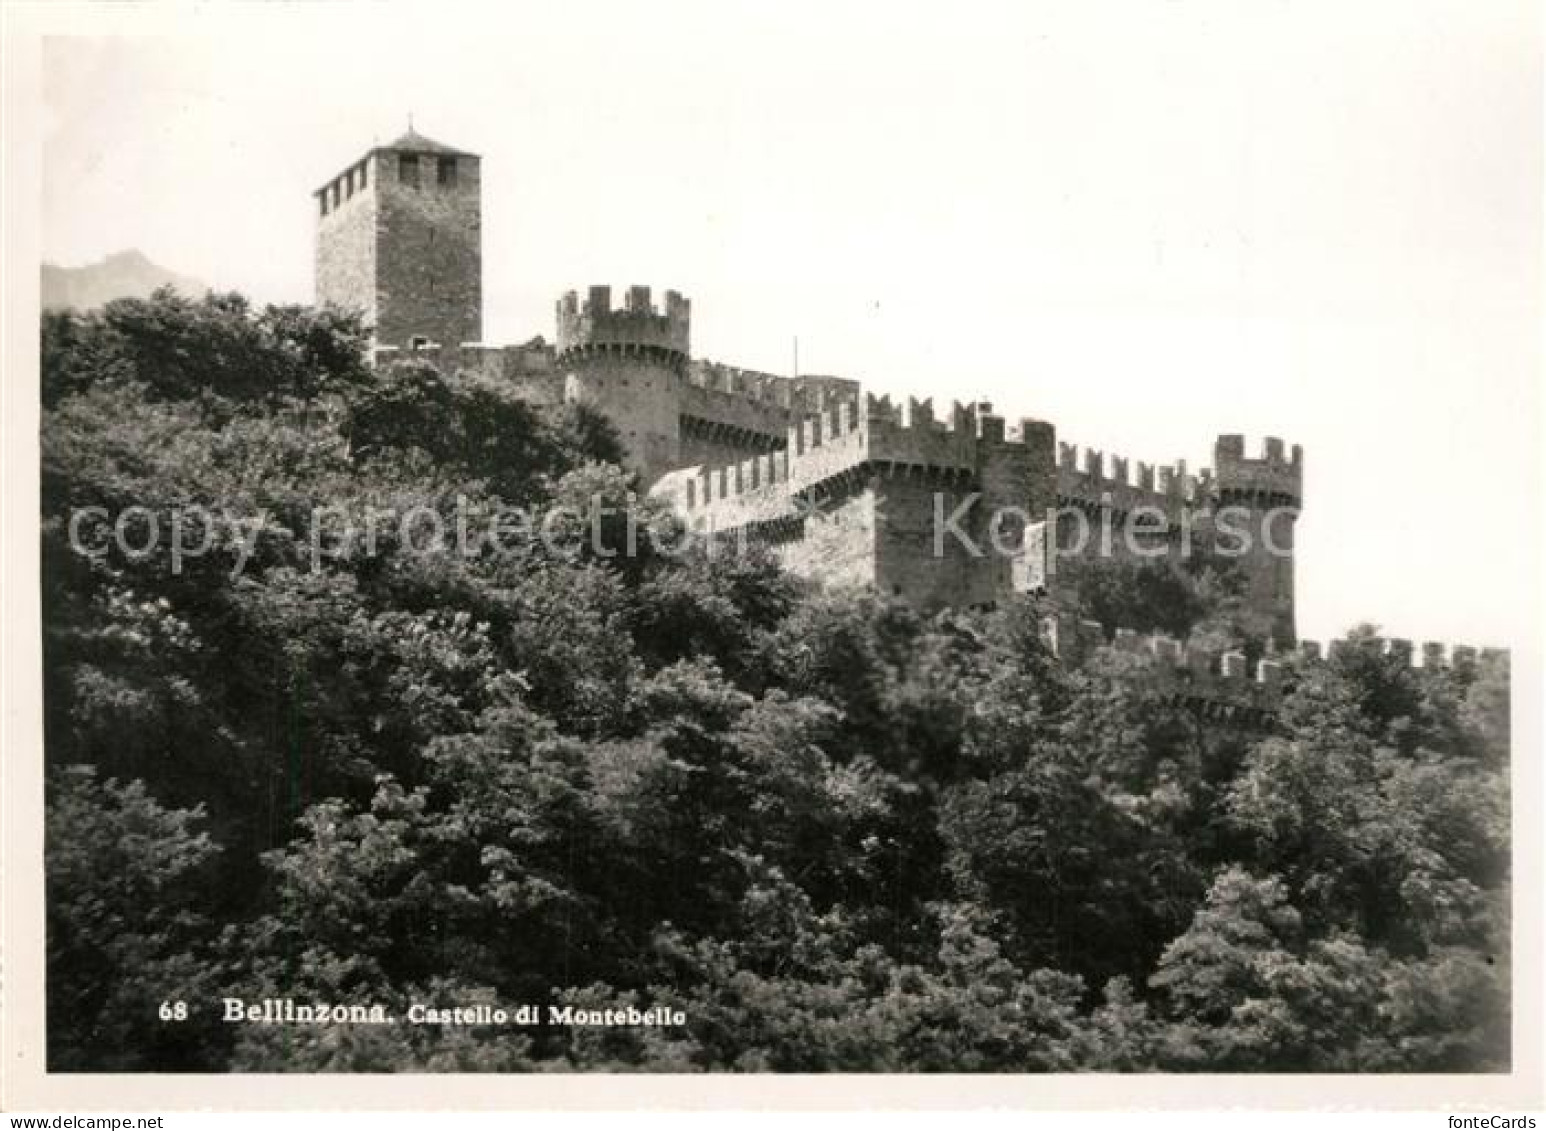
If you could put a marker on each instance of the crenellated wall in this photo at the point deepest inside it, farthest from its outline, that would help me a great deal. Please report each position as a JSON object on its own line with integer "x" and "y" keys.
{"x": 843, "y": 442}
{"x": 632, "y": 362}
{"x": 729, "y": 413}
{"x": 751, "y": 493}
{"x": 1243, "y": 509}
{"x": 1123, "y": 485}
{"x": 628, "y": 363}
{"x": 796, "y": 394}
{"x": 722, "y": 423}
{"x": 634, "y": 327}
{"x": 1275, "y": 477}
{"x": 1225, "y": 682}
{"x": 1090, "y": 478}
{"x": 892, "y": 475}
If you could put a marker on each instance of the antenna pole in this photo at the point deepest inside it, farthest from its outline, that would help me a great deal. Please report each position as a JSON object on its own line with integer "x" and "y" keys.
{"x": 797, "y": 355}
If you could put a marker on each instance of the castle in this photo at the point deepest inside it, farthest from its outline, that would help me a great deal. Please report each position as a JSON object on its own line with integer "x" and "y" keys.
{"x": 951, "y": 507}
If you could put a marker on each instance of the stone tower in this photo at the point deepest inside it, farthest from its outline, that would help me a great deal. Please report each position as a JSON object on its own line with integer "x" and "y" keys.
{"x": 399, "y": 240}
{"x": 1269, "y": 490}
{"x": 630, "y": 364}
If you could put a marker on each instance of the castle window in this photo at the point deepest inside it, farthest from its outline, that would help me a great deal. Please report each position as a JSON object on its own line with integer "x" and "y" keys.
{"x": 363, "y": 178}
{"x": 322, "y": 200}
{"x": 337, "y": 195}
{"x": 408, "y": 169}
{"x": 349, "y": 183}
{"x": 445, "y": 170}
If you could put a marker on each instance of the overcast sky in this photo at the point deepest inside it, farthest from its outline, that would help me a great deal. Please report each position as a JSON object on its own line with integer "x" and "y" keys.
{"x": 1148, "y": 223}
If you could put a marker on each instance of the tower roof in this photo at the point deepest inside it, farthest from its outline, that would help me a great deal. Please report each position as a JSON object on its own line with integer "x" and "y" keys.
{"x": 410, "y": 142}
{"x": 415, "y": 142}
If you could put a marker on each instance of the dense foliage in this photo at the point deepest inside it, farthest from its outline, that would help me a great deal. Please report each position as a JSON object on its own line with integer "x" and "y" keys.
{"x": 836, "y": 833}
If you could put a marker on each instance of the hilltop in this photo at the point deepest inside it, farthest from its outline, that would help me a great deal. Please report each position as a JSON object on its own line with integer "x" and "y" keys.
{"x": 124, "y": 274}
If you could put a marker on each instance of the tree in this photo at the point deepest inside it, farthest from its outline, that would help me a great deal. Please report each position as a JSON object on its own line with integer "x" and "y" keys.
{"x": 125, "y": 932}
{"x": 214, "y": 349}
{"x": 585, "y": 762}
{"x": 1247, "y": 989}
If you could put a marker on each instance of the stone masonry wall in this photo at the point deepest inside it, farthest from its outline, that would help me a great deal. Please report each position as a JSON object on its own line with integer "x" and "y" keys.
{"x": 835, "y": 544}
{"x": 638, "y": 395}
{"x": 429, "y": 248}
{"x": 887, "y": 475}
{"x": 912, "y": 564}
{"x": 346, "y": 241}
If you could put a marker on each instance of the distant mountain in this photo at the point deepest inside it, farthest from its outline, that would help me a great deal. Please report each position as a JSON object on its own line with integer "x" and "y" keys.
{"x": 126, "y": 274}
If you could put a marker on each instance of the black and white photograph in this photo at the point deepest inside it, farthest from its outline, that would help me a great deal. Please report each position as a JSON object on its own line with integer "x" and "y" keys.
{"x": 853, "y": 541}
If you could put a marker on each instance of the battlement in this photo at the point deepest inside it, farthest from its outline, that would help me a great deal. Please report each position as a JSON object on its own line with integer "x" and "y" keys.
{"x": 967, "y": 422}
{"x": 907, "y": 438}
{"x": 636, "y": 327}
{"x": 706, "y": 486}
{"x": 817, "y": 448}
{"x": 747, "y": 409}
{"x": 1193, "y": 673}
{"x": 750, "y": 493}
{"x": 1088, "y": 476}
{"x": 793, "y": 394}
{"x": 1097, "y": 471}
{"x": 845, "y": 441}
{"x": 752, "y": 384}
{"x": 1274, "y": 477}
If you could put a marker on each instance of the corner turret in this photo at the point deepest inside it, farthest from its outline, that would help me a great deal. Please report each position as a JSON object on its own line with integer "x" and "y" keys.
{"x": 629, "y": 363}
{"x": 636, "y": 329}
{"x": 1258, "y": 500}
{"x": 1274, "y": 478}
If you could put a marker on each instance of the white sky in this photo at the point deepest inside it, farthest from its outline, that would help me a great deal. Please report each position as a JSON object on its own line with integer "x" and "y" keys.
{"x": 1146, "y": 222}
